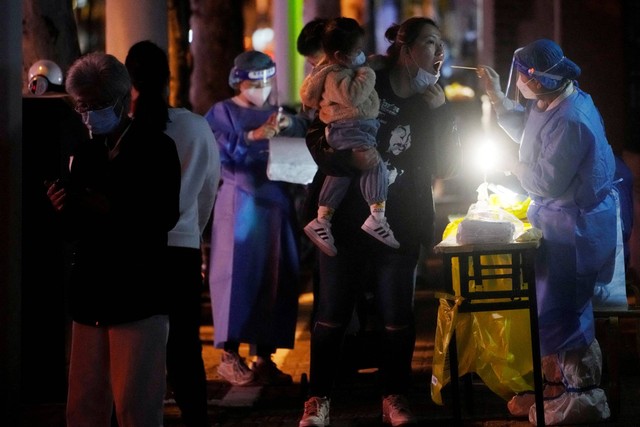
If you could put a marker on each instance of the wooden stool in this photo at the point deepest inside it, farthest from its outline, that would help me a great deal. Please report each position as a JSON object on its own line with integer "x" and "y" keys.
{"x": 474, "y": 273}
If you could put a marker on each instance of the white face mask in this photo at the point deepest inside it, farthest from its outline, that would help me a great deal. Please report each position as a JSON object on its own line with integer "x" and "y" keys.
{"x": 359, "y": 60}
{"x": 525, "y": 90}
{"x": 423, "y": 79}
{"x": 257, "y": 95}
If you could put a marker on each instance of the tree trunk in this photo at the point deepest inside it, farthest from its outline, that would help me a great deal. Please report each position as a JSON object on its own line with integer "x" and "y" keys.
{"x": 217, "y": 39}
{"x": 327, "y": 8}
{"x": 178, "y": 14}
{"x": 49, "y": 32}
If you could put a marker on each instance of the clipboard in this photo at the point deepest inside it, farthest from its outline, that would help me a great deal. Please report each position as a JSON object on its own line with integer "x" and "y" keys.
{"x": 290, "y": 161}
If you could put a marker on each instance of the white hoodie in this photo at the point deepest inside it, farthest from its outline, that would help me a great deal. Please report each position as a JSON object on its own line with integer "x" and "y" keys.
{"x": 200, "y": 164}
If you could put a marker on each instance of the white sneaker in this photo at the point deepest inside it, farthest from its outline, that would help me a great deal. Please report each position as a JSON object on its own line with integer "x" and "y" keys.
{"x": 395, "y": 411}
{"x": 234, "y": 369}
{"x": 316, "y": 412}
{"x": 380, "y": 230}
{"x": 319, "y": 231}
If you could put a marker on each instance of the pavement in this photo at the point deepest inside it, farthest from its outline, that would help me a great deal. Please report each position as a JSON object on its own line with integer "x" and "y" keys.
{"x": 356, "y": 401}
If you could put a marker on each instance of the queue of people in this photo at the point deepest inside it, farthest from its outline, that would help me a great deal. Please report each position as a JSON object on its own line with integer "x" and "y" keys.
{"x": 149, "y": 178}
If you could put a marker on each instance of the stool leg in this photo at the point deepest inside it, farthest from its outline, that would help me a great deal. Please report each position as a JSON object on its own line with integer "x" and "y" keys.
{"x": 613, "y": 358}
{"x": 535, "y": 344}
{"x": 537, "y": 375}
{"x": 467, "y": 381}
{"x": 455, "y": 386}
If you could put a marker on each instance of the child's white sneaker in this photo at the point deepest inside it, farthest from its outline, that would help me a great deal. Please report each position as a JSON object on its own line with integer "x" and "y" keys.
{"x": 319, "y": 231}
{"x": 381, "y": 231}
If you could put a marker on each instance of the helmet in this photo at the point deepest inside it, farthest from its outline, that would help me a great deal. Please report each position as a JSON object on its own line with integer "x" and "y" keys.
{"x": 251, "y": 65}
{"x": 45, "y": 76}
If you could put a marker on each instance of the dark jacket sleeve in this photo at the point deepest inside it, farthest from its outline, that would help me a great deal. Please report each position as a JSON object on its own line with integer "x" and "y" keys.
{"x": 448, "y": 147}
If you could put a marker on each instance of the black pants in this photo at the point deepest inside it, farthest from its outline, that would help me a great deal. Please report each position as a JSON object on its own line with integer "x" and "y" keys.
{"x": 185, "y": 368}
{"x": 392, "y": 280}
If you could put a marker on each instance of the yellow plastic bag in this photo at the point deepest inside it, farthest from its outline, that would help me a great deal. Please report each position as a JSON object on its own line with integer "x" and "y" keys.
{"x": 498, "y": 349}
{"x": 447, "y": 319}
{"x": 518, "y": 209}
{"x": 494, "y": 345}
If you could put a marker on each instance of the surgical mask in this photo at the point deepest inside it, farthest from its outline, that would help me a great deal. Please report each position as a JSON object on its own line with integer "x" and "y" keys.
{"x": 257, "y": 95}
{"x": 359, "y": 60}
{"x": 525, "y": 90}
{"x": 423, "y": 79}
{"x": 101, "y": 122}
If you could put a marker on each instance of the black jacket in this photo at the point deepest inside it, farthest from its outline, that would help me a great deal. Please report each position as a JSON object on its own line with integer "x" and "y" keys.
{"x": 117, "y": 215}
{"x": 417, "y": 144}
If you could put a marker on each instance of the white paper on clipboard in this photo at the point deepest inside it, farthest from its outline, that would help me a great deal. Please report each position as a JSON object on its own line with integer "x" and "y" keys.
{"x": 290, "y": 161}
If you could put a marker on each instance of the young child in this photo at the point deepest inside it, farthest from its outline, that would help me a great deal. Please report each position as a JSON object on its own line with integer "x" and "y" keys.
{"x": 342, "y": 88}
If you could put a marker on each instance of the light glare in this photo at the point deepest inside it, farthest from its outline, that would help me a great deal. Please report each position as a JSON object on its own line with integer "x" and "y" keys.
{"x": 487, "y": 155}
{"x": 261, "y": 38}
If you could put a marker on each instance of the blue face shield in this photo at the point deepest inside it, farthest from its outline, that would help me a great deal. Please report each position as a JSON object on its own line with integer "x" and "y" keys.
{"x": 543, "y": 61}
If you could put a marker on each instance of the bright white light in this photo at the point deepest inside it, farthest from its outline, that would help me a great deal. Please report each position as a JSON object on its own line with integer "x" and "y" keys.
{"x": 190, "y": 35}
{"x": 507, "y": 196}
{"x": 486, "y": 112}
{"x": 261, "y": 38}
{"x": 487, "y": 155}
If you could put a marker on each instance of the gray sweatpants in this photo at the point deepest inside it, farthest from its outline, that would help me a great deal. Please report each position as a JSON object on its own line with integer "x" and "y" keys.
{"x": 374, "y": 182}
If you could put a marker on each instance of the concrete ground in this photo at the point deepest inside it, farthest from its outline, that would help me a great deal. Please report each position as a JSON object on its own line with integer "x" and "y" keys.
{"x": 356, "y": 401}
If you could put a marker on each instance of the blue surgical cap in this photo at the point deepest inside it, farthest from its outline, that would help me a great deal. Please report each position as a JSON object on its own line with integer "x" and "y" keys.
{"x": 544, "y": 61}
{"x": 251, "y": 65}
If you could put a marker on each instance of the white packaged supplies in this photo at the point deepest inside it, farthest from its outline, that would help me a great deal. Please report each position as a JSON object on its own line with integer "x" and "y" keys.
{"x": 485, "y": 223}
{"x": 482, "y": 231}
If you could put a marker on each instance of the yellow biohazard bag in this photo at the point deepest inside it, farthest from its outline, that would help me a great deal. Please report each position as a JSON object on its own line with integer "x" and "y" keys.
{"x": 447, "y": 317}
{"x": 494, "y": 345}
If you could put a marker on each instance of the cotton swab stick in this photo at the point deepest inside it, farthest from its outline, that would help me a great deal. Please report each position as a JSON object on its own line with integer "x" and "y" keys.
{"x": 462, "y": 67}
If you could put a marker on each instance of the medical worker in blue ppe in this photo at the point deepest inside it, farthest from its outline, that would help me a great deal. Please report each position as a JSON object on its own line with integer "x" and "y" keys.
{"x": 254, "y": 262}
{"x": 567, "y": 166}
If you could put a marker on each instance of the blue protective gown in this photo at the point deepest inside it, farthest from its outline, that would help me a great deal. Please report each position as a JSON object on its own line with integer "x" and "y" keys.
{"x": 567, "y": 167}
{"x": 254, "y": 262}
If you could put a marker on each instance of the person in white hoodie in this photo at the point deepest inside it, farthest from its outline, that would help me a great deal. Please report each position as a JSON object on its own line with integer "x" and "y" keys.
{"x": 200, "y": 174}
